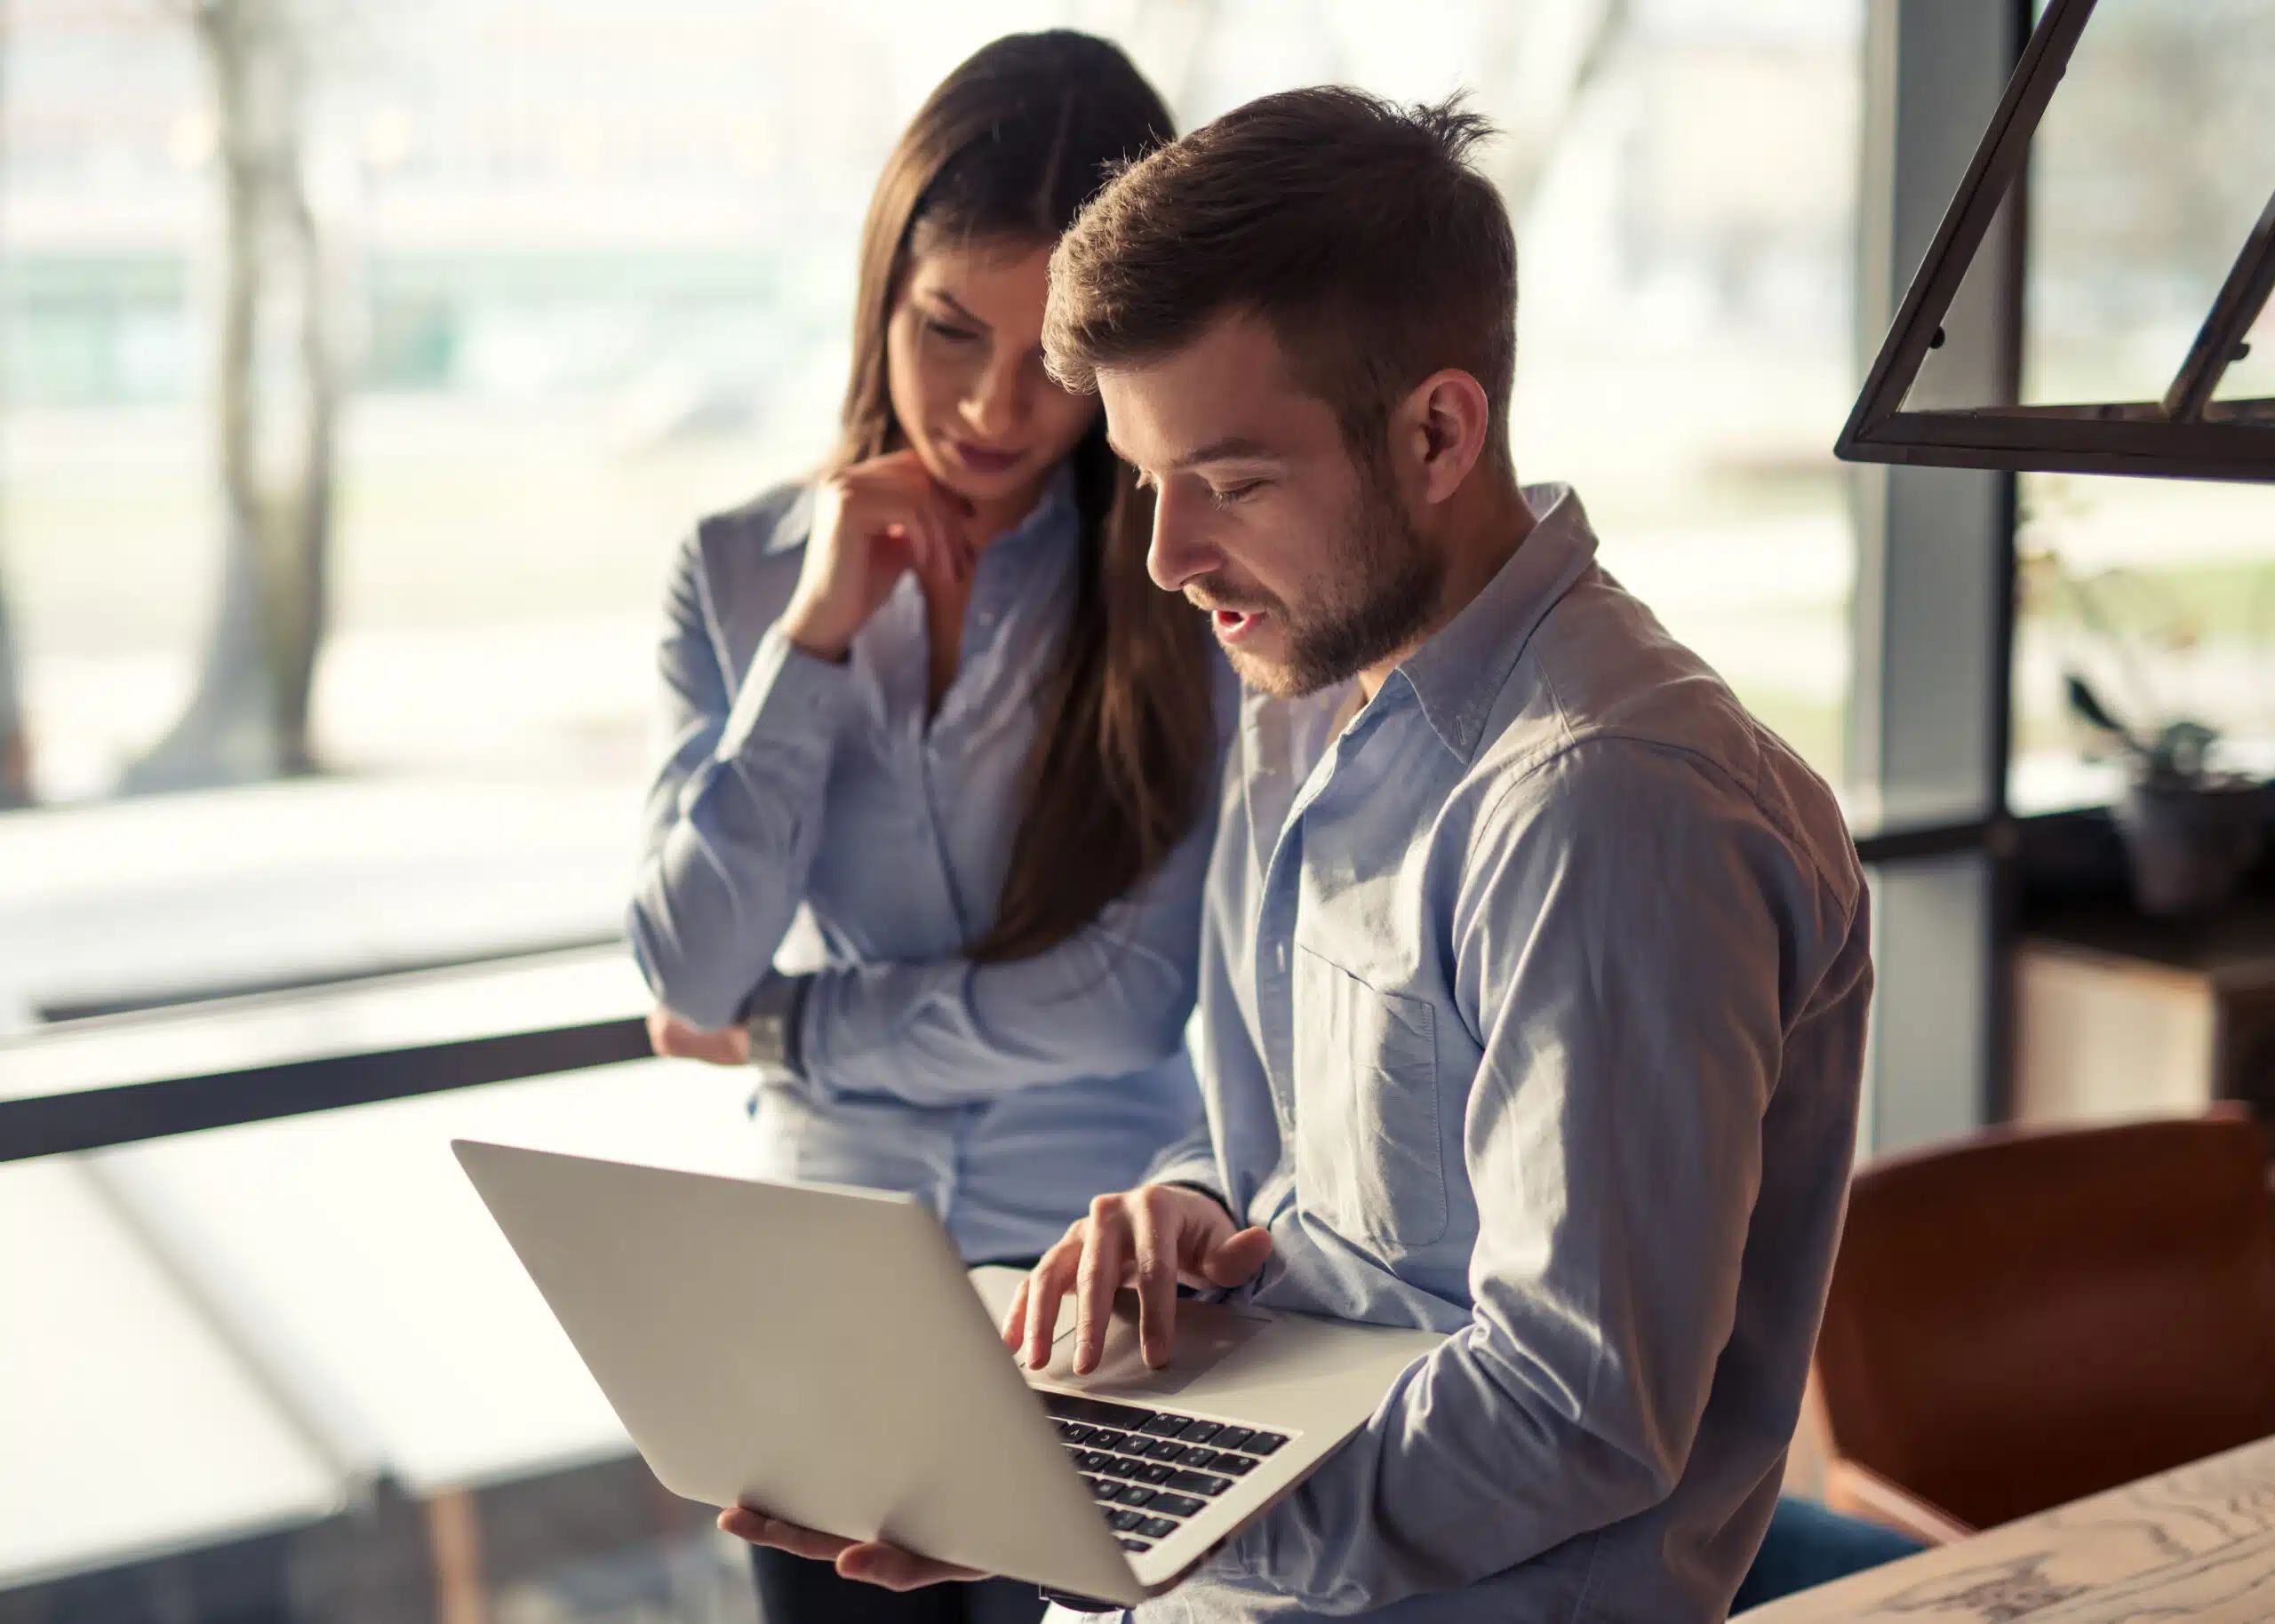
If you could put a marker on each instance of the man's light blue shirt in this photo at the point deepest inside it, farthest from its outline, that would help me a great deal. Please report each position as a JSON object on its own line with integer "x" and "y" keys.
{"x": 1532, "y": 1010}
{"x": 1005, "y": 1094}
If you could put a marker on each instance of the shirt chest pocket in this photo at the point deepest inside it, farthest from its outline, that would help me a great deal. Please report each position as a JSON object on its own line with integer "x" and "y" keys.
{"x": 1370, "y": 1163}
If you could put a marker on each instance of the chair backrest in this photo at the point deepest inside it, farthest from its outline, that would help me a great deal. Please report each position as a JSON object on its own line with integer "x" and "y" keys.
{"x": 2036, "y": 1316}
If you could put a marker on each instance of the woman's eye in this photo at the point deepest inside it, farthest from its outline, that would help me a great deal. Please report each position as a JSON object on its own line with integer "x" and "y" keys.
{"x": 954, "y": 335}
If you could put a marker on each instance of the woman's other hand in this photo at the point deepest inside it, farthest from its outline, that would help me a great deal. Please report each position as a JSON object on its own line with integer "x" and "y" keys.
{"x": 871, "y": 1561}
{"x": 677, "y": 1040}
{"x": 873, "y": 522}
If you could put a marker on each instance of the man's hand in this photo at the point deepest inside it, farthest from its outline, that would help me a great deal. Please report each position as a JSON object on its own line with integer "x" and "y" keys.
{"x": 1154, "y": 1237}
{"x": 870, "y": 1561}
{"x": 676, "y": 1040}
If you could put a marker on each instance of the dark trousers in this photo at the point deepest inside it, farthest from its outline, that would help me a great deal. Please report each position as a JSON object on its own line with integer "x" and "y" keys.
{"x": 1807, "y": 1546}
{"x": 795, "y": 1591}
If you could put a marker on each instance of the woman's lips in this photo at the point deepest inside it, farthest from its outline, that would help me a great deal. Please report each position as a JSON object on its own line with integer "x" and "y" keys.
{"x": 979, "y": 459}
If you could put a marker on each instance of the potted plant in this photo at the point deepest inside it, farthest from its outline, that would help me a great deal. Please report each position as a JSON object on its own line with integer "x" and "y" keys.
{"x": 2191, "y": 831}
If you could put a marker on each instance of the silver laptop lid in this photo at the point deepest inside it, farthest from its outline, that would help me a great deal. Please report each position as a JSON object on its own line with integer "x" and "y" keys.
{"x": 839, "y": 1381}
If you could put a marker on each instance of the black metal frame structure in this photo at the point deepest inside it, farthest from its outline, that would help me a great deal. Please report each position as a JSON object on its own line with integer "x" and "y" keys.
{"x": 1932, "y": 609}
{"x": 92, "y": 1119}
{"x": 2186, "y": 434}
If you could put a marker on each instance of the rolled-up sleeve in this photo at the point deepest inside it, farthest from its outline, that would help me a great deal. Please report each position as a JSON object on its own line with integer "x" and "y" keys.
{"x": 1191, "y": 1160}
{"x": 734, "y": 814}
{"x": 1620, "y": 944}
{"x": 1111, "y": 999}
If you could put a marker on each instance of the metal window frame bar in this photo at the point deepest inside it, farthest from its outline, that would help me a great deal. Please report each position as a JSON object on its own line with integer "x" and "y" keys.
{"x": 98, "y": 1119}
{"x": 2185, "y": 436}
{"x": 2219, "y": 343}
{"x": 1932, "y": 611}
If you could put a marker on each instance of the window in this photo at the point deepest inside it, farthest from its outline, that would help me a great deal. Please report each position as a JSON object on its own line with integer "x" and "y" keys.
{"x": 2154, "y": 160}
{"x": 1686, "y": 347}
{"x": 581, "y": 274}
{"x": 584, "y": 275}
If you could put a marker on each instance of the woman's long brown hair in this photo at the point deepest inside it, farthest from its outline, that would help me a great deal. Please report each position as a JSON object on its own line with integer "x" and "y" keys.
{"x": 1009, "y": 147}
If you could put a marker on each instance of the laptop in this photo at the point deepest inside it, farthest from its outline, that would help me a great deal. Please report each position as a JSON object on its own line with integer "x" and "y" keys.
{"x": 821, "y": 1353}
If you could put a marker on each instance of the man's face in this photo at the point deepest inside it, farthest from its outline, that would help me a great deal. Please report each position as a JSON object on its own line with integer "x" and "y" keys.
{"x": 1305, "y": 556}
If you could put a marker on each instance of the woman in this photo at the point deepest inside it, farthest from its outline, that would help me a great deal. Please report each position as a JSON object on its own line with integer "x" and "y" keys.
{"x": 933, "y": 698}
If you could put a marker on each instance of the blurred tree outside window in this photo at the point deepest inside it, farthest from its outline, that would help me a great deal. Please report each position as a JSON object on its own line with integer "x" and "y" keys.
{"x": 276, "y": 398}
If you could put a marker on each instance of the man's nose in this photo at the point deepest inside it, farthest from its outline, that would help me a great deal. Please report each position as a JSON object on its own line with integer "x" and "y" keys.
{"x": 1180, "y": 550}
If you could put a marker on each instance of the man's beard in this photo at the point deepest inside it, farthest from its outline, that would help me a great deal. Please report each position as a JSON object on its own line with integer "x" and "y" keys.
{"x": 1379, "y": 586}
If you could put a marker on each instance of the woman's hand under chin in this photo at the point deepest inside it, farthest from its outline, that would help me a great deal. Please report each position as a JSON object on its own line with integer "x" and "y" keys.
{"x": 873, "y": 522}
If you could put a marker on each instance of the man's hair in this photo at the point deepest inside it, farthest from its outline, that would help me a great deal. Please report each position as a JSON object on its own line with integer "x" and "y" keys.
{"x": 1360, "y": 230}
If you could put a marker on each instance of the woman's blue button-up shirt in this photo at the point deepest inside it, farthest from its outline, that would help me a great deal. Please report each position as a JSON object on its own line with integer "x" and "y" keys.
{"x": 1005, "y": 1094}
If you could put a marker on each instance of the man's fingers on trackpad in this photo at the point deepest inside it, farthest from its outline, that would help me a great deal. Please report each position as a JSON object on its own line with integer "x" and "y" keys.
{"x": 1014, "y": 1328}
{"x": 1046, "y": 1306}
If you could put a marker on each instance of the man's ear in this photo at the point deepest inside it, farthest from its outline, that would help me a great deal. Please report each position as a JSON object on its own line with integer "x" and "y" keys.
{"x": 1445, "y": 422}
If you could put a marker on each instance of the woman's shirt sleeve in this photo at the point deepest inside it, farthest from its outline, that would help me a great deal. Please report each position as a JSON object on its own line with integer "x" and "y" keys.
{"x": 735, "y": 811}
{"x": 1111, "y": 999}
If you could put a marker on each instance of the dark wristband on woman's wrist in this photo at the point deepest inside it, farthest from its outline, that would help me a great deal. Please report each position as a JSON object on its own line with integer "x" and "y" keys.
{"x": 774, "y": 1017}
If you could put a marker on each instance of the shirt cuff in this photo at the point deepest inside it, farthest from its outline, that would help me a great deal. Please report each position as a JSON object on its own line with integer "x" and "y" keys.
{"x": 790, "y": 699}
{"x": 1195, "y": 1170}
{"x": 1198, "y": 1190}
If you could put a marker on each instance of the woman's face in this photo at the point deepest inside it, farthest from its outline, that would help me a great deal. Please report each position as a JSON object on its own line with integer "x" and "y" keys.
{"x": 963, "y": 357}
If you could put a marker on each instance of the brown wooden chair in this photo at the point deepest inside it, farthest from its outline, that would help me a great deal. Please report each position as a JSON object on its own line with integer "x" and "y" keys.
{"x": 2035, "y": 1316}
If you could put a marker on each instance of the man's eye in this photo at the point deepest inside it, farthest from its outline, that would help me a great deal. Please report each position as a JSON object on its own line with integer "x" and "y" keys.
{"x": 954, "y": 335}
{"x": 1228, "y": 495}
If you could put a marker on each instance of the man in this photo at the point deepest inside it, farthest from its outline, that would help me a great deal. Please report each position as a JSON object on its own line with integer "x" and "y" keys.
{"x": 1535, "y": 970}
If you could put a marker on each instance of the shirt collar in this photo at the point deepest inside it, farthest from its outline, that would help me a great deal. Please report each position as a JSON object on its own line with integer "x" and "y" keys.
{"x": 1457, "y": 677}
{"x": 1054, "y": 515}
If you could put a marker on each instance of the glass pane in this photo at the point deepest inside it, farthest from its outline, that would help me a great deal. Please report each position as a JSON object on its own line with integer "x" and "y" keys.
{"x": 587, "y": 276}
{"x": 2161, "y": 596}
{"x": 2253, "y": 378}
{"x": 584, "y": 275}
{"x": 295, "y": 1316}
{"x": 1683, "y": 176}
{"x": 1685, "y": 353}
{"x": 108, "y": 1377}
{"x": 2155, "y": 159}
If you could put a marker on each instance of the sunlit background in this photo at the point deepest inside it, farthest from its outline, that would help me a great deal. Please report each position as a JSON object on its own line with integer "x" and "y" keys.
{"x": 587, "y": 273}
{"x": 578, "y": 272}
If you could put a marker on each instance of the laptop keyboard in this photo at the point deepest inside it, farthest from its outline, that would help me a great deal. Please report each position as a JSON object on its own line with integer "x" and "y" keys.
{"x": 1150, "y": 1470}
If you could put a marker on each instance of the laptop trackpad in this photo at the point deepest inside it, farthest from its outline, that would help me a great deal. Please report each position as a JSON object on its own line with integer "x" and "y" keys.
{"x": 1207, "y": 1334}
